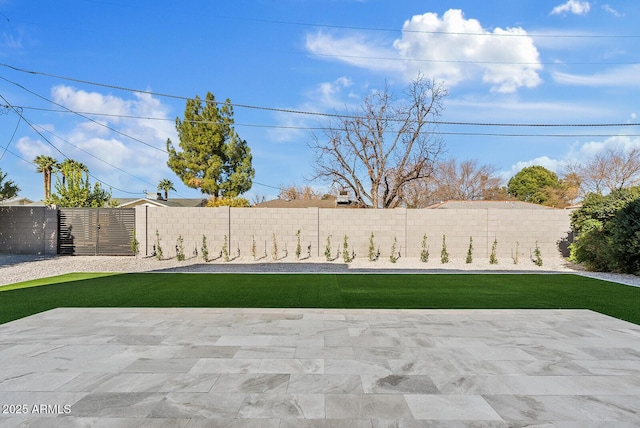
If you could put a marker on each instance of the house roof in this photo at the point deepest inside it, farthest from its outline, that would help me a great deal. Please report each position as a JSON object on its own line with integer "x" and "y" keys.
{"x": 16, "y": 201}
{"x": 298, "y": 203}
{"x": 452, "y": 205}
{"x": 175, "y": 202}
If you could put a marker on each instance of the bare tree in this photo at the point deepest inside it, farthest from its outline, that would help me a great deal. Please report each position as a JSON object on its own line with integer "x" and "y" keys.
{"x": 607, "y": 171}
{"x": 376, "y": 151}
{"x": 467, "y": 180}
{"x": 298, "y": 192}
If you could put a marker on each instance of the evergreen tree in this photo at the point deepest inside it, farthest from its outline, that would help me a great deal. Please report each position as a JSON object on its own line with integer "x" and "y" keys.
{"x": 8, "y": 189}
{"x": 214, "y": 158}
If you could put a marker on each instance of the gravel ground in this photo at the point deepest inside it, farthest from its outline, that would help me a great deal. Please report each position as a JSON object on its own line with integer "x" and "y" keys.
{"x": 16, "y": 268}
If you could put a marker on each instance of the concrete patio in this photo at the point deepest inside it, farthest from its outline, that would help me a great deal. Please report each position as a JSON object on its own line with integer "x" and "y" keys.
{"x": 311, "y": 367}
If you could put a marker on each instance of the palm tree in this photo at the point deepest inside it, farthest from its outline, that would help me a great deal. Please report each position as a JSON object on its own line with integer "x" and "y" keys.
{"x": 166, "y": 185}
{"x": 70, "y": 165}
{"x": 46, "y": 164}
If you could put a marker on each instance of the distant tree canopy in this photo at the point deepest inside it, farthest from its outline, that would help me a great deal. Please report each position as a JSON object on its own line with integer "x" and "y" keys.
{"x": 609, "y": 170}
{"x": 454, "y": 180}
{"x": 538, "y": 185}
{"x": 8, "y": 189}
{"x": 214, "y": 158}
{"x": 227, "y": 201}
{"x": 530, "y": 183}
{"x": 73, "y": 188}
{"x": 299, "y": 192}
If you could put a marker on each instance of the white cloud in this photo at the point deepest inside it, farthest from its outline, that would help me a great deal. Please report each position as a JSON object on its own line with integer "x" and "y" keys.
{"x": 619, "y": 142}
{"x": 554, "y": 165}
{"x": 29, "y": 148}
{"x": 575, "y": 7}
{"x": 627, "y": 76}
{"x": 581, "y": 153}
{"x": 113, "y": 157}
{"x": 11, "y": 42}
{"x": 607, "y": 8}
{"x": 450, "y": 48}
{"x": 324, "y": 97}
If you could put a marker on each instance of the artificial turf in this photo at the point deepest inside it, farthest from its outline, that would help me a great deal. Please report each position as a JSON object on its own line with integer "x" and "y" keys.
{"x": 410, "y": 291}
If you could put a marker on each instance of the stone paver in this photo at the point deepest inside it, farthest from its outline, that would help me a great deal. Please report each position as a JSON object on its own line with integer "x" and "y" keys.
{"x": 108, "y": 367}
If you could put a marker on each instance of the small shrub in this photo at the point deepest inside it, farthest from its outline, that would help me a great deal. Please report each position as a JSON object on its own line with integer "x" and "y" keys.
{"x": 444, "y": 254}
{"x": 274, "y": 247}
{"x": 537, "y": 255}
{"x": 470, "y": 251}
{"x": 225, "y": 249}
{"x": 516, "y": 256}
{"x": 327, "y": 249}
{"x": 254, "y": 249}
{"x": 393, "y": 258}
{"x": 159, "y": 254}
{"x": 493, "y": 258}
{"x": 180, "y": 249}
{"x": 372, "y": 249}
{"x": 226, "y": 201}
{"x": 298, "y": 246}
{"x": 424, "y": 253}
{"x": 345, "y": 250}
{"x": 204, "y": 250}
{"x": 134, "y": 244}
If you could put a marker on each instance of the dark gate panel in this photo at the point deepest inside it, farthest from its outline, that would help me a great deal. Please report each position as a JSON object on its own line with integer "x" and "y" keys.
{"x": 96, "y": 231}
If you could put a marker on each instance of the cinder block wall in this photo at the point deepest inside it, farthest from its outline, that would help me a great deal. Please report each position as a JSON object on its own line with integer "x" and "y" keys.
{"x": 28, "y": 230}
{"x": 519, "y": 228}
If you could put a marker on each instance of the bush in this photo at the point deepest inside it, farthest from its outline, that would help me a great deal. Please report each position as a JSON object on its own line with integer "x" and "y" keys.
{"x": 159, "y": 254}
{"x": 345, "y": 250}
{"x": 225, "y": 201}
{"x": 444, "y": 254}
{"x": 470, "y": 251}
{"x": 493, "y": 258}
{"x": 607, "y": 231}
{"x": 372, "y": 249}
{"x": 424, "y": 253}
{"x": 537, "y": 255}
{"x": 327, "y": 249}
{"x": 625, "y": 238}
{"x": 180, "y": 249}
{"x": 204, "y": 250}
{"x": 393, "y": 258}
{"x": 134, "y": 244}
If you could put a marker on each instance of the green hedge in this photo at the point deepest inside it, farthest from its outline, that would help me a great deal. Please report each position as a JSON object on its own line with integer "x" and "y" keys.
{"x": 608, "y": 232}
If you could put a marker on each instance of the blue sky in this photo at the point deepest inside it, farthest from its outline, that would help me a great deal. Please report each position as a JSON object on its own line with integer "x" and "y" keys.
{"x": 515, "y": 62}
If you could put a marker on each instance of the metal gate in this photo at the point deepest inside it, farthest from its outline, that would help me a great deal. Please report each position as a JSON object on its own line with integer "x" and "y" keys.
{"x": 95, "y": 231}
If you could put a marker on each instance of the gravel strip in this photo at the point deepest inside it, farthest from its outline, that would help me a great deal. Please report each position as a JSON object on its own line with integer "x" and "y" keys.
{"x": 16, "y": 268}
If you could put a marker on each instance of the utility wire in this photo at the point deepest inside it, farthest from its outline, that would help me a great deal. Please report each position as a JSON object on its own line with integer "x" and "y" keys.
{"x": 12, "y": 136}
{"x": 34, "y": 127}
{"x": 293, "y": 111}
{"x": 454, "y": 33}
{"x": 84, "y": 116}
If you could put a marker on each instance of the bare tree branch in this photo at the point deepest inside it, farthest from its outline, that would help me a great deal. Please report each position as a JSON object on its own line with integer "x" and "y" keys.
{"x": 386, "y": 146}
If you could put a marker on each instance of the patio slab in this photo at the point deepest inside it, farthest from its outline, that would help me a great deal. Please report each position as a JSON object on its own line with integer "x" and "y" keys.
{"x": 208, "y": 367}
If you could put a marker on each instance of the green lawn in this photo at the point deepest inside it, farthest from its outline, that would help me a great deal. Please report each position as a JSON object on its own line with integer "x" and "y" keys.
{"x": 433, "y": 291}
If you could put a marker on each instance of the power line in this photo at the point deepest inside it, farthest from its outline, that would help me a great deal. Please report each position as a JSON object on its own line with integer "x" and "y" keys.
{"x": 436, "y": 32}
{"x": 34, "y": 127}
{"x": 12, "y": 136}
{"x": 324, "y": 128}
{"x": 83, "y": 116}
{"x": 282, "y": 110}
{"x": 461, "y": 61}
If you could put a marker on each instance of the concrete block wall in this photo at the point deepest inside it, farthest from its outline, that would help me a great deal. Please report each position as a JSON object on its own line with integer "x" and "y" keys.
{"x": 28, "y": 230}
{"x": 243, "y": 225}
